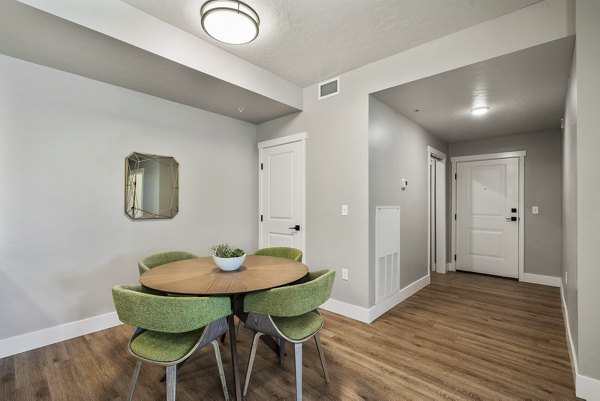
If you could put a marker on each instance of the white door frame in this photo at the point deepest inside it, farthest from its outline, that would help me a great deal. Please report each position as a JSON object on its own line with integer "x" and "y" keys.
{"x": 300, "y": 137}
{"x": 490, "y": 156}
{"x": 442, "y": 156}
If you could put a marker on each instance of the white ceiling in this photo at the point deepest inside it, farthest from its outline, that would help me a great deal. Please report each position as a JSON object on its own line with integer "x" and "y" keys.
{"x": 307, "y": 41}
{"x": 525, "y": 91}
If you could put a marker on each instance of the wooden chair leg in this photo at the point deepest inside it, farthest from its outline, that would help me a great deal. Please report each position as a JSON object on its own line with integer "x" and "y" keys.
{"x": 136, "y": 373}
{"x": 322, "y": 356}
{"x": 251, "y": 361}
{"x": 298, "y": 360}
{"x": 171, "y": 382}
{"x": 215, "y": 345}
{"x": 239, "y": 327}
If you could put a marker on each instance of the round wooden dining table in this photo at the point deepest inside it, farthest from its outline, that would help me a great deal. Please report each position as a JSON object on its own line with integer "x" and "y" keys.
{"x": 202, "y": 277}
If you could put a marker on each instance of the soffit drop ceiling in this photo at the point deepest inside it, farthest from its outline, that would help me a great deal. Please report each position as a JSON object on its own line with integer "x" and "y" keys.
{"x": 308, "y": 41}
{"x": 33, "y": 35}
{"x": 525, "y": 91}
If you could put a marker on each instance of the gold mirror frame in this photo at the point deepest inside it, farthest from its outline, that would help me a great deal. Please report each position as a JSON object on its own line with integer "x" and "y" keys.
{"x": 151, "y": 186}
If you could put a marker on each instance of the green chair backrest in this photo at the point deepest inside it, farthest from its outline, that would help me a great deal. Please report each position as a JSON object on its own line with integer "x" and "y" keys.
{"x": 281, "y": 252}
{"x": 138, "y": 307}
{"x": 161, "y": 258}
{"x": 293, "y": 300}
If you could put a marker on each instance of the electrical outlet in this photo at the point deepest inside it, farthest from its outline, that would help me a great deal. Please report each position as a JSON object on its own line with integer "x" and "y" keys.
{"x": 345, "y": 274}
{"x": 566, "y": 277}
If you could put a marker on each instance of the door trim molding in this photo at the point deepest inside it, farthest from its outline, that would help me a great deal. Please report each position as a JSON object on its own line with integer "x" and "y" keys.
{"x": 431, "y": 151}
{"x": 491, "y": 156}
{"x": 282, "y": 140}
{"x": 299, "y": 137}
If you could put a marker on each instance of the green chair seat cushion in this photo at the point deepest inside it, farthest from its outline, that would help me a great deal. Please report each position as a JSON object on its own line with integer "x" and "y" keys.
{"x": 299, "y": 327}
{"x": 165, "y": 347}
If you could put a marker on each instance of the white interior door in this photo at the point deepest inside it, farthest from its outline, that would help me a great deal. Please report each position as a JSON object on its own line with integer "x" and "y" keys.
{"x": 282, "y": 195}
{"x": 487, "y": 199}
{"x": 440, "y": 216}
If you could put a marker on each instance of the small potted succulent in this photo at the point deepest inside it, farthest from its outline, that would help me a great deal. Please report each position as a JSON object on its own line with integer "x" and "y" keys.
{"x": 228, "y": 258}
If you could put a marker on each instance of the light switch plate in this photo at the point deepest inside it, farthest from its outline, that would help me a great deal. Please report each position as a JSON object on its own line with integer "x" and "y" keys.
{"x": 345, "y": 274}
{"x": 344, "y": 210}
{"x": 535, "y": 210}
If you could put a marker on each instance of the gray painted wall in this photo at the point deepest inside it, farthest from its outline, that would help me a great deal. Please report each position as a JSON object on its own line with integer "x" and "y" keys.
{"x": 64, "y": 237}
{"x": 543, "y": 187}
{"x": 588, "y": 186}
{"x": 336, "y": 174}
{"x": 569, "y": 198}
{"x": 398, "y": 149}
{"x": 338, "y": 131}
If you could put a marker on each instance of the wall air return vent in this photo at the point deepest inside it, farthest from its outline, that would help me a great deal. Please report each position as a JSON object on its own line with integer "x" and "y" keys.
{"x": 329, "y": 88}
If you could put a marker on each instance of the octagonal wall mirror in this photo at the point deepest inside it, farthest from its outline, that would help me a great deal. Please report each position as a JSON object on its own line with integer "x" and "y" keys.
{"x": 151, "y": 186}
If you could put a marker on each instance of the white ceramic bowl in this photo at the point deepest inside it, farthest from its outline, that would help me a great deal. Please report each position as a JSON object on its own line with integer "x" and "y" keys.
{"x": 229, "y": 264}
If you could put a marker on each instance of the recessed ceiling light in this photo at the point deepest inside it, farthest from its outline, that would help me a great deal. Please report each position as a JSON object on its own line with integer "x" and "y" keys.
{"x": 478, "y": 111}
{"x": 229, "y": 21}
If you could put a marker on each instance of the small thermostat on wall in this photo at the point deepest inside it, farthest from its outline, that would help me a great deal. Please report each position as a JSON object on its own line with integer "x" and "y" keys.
{"x": 404, "y": 184}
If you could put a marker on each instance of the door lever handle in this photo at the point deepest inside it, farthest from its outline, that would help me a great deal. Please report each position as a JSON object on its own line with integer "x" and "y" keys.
{"x": 296, "y": 227}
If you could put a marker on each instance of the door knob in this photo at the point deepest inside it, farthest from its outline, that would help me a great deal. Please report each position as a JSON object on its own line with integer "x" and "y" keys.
{"x": 296, "y": 227}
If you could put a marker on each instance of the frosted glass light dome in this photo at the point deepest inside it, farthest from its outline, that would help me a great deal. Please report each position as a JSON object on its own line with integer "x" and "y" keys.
{"x": 229, "y": 21}
{"x": 479, "y": 111}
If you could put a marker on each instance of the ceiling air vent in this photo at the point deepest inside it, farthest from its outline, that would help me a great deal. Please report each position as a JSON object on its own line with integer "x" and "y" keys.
{"x": 329, "y": 88}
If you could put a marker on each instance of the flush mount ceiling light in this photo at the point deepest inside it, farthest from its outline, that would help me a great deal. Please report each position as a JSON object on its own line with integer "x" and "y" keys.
{"x": 478, "y": 111}
{"x": 229, "y": 21}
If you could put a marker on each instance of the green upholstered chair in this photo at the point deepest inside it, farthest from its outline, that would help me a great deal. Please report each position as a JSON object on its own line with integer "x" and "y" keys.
{"x": 162, "y": 258}
{"x": 290, "y": 314}
{"x": 281, "y": 252}
{"x": 170, "y": 329}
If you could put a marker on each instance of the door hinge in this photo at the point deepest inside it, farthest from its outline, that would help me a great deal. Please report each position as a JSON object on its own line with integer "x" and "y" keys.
{"x": 454, "y": 216}
{"x": 261, "y": 166}
{"x": 455, "y": 175}
{"x": 455, "y": 257}
{"x": 261, "y": 218}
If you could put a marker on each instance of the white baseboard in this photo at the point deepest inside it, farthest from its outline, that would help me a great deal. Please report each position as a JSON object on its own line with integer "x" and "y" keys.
{"x": 450, "y": 267}
{"x": 369, "y": 315}
{"x": 348, "y": 310}
{"x": 387, "y": 304}
{"x": 36, "y": 339}
{"x": 540, "y": 279}
{"x": 585, "y": 387}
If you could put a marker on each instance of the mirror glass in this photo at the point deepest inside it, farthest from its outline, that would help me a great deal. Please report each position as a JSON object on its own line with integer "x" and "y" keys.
{"x": 151, "y": 186}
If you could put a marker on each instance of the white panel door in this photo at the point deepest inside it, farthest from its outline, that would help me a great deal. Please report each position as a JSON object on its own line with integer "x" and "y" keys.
{"x": 282, "y": 195}
{"x": 487, "y": 199}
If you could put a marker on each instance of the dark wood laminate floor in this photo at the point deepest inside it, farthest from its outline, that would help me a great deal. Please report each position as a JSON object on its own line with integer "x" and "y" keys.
{"x": 464, "y": 337}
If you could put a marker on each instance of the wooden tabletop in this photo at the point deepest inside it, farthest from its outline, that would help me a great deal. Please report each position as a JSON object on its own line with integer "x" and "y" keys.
{"x": 201, "y": 276}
